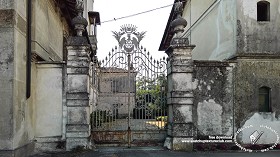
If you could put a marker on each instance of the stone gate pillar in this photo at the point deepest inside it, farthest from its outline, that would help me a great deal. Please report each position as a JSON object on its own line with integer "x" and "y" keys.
{"x": 180, "y": 90}
{"x": 77, "y": 96}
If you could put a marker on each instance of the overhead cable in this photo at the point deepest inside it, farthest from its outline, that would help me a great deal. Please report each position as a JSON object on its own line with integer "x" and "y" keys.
{"x": 144, "y": 12}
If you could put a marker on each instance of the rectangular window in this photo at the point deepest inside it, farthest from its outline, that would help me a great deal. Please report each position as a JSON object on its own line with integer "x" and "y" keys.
{"x": 263, "y": 11}
{"x": 264, "y": 99}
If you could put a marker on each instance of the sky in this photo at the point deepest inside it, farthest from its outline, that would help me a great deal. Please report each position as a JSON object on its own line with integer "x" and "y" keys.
{"x": 153, "y": 23}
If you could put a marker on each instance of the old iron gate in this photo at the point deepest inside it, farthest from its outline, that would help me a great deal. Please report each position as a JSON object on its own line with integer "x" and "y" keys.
{"x": 131, "y": 106}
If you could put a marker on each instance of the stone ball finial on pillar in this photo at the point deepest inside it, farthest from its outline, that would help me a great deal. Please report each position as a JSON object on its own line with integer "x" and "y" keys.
{"x": 179, "y": 23}
{"x": 79, "y": 22}
{"x": 180, "y": 87}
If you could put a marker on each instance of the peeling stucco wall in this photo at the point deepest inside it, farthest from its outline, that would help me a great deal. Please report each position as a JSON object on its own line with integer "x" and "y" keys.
{"x": 17, "y": 115}
{"x": 209, "y": 115}
{"x": 6, "y": 80}
{"x": 234, "y": 28}
{"x": 249, "y": 76}
{"x": 213, "y": 28}
{"x": 21, "y": 118}
{"x": 254, "y": 36}
{"x": 213, "y": 98}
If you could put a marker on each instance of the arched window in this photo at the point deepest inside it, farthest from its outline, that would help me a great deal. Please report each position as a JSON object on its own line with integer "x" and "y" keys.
{"x": 264, "y": 99}
{"x": 263, "y": 11}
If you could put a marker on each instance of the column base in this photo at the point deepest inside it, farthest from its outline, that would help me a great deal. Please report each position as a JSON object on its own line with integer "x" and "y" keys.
{"x": 78, "y": 143}
{"x": 178, "y": 143}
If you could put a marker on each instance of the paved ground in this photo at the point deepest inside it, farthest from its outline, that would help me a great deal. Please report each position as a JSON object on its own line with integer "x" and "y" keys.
{"x": 156, "y": 153}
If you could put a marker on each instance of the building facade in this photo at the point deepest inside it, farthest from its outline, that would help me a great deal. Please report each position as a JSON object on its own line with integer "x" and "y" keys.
{"x": 33, "y": 57}
{"x": 113, "y": 88}
{"x": 235, "y": 66}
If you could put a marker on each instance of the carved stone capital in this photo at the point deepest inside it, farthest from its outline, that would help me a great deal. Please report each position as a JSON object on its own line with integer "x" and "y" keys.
{"x": 181, "y": 47}
{"x": 179, "y": 42}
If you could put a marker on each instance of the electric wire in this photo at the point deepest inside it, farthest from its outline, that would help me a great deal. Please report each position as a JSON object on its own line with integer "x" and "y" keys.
{"x": 144, "y": 12}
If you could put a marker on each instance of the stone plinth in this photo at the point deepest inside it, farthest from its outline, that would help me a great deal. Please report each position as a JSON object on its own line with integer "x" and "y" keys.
{"x": 78, "y": 107}
{"x": 180, "y": 96}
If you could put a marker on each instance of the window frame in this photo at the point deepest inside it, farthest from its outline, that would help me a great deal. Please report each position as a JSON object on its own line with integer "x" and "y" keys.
{"x": 260, "y": 17}
{"x": 267, "y": 106}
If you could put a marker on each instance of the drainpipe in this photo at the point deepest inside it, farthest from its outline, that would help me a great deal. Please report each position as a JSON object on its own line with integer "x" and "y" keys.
{"x": 28, "y": 48}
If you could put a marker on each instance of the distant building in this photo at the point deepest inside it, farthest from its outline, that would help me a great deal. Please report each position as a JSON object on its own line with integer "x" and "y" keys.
{"x": 236, "y": 65}
{"x": 113, "y": 91}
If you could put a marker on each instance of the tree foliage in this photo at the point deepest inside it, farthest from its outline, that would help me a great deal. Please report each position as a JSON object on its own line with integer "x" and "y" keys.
{"x": 151, "y": 93}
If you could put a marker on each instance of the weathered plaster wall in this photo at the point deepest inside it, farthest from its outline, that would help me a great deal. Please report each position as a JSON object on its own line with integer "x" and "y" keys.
{"x": 6, "y": 75}
{"x": 213, "y": 33}
{"x": 200, "y": 7}
{"x": 49, "y": 100}
{"x": 250, "y": 75}
{"x": 50, "y": 95}
{"x": 16, "y": 119}
{"x": 23, "y": 109}
{"x": 254, "y": 36}
{"x": 48, "y": 27}
{"x": 17, "y": 124}
{"x": 6, "y": 4}
{"x": 213, "y": 98}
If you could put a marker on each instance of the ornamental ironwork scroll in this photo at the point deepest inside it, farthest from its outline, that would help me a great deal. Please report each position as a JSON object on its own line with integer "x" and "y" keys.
{"x": 132, "y": 89}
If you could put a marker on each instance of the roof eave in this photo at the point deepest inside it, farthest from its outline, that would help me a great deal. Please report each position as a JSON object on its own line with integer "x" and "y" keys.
{"x": 168, "y": 33}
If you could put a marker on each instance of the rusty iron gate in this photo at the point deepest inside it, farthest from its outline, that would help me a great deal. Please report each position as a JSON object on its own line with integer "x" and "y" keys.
{"x": 131, "y": 109}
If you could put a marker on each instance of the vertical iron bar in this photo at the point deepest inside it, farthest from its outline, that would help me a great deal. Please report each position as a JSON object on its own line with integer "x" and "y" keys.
{"x": 157, "y": 96}
{"x": 116, "y": 114}
{"x": 96, "y": 119}
{"x": 129, "y": 129}
{"x": 145, "y": 77}
{"x": 161, "y": 101}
